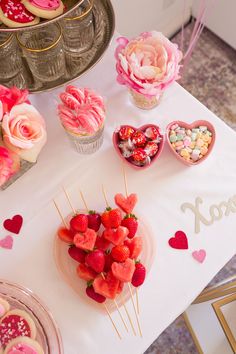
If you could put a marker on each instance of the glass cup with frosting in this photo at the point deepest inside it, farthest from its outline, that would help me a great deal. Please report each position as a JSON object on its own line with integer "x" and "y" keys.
{"x": 82, "y": 115}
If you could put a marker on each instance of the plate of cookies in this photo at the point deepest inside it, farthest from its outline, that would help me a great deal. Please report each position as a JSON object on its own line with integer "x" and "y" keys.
{"x": 26, "y": 325}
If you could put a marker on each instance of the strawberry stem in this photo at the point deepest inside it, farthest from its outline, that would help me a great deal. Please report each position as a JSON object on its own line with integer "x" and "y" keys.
{"x": 89, "y": 283}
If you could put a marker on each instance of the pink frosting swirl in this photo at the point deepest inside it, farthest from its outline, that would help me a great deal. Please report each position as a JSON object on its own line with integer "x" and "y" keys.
{"x": 46, "y": 4}
{"x": 82, "y": 111}
{"x": 22, "y": 348}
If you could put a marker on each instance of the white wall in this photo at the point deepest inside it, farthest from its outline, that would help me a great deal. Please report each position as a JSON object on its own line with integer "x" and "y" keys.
{"x": 136, "y": 16}
{"x": 221, "y": 19}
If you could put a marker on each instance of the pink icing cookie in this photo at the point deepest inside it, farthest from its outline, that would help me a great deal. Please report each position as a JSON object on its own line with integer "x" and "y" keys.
{"x": 23, "y": 345}
{"x": 82, "y": 111}
{"x": 14, "y": 14}
{"x": 14, "y": 324}
{"x": 45, "y": 8}
{"x": 46, "y": 4}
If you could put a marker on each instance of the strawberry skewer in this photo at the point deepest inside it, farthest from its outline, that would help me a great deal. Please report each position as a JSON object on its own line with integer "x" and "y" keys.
{"x": 66, "y": 226}
{"x": 126, "y": 192}
{"x": 103, "y": 276}
{"x": 122, "y": 300}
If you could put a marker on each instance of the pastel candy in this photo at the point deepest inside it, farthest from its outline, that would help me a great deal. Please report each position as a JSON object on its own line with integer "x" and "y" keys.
{"x": 173, "y": 138}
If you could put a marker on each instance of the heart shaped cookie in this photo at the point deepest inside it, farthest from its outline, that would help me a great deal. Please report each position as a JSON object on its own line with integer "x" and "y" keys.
{"x": 85, "y": 240}
{"x": 138, "y": 147}
{"x": 191, "y": 143}
{"x": 13, "y": 225}
{"x": 179, "y": 241}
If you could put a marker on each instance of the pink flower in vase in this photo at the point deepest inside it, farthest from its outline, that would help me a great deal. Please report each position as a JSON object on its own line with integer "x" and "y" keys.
{"x": 147, "y": 64}
{"x": 24, "y": 131}
{"x": 9, "y": 164}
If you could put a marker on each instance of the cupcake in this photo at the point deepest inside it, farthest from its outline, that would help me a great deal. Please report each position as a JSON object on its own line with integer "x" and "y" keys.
{"x": 82, "y": 115}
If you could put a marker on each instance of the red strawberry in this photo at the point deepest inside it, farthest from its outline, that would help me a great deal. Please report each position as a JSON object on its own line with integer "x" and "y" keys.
{"x": 139, "y": 275}
{"x": 108, "y": 262}
{"x": 65, "y": 235}
{"x": 101, "y": 243}
{"x": 96, "y": 260}
{"x": 95, "y": 296}
{"x": 115, "y": 218}
{"x": 85, "y": 272}
{"x": 79, "y": 223}
{"x": 77, "y": 254}
{"x": 94, "y": 220}
{"x": 120, "y": 253}
{"x": 135, "y": 246}
{"x": 111, "y": 218}
{"x": 130, "y": 221}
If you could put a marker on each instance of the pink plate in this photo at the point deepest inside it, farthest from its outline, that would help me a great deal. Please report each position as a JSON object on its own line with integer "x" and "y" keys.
{"x": 115, "y": 140}
{"x": 67, "y": 266}
{"x": 195, "y": 124}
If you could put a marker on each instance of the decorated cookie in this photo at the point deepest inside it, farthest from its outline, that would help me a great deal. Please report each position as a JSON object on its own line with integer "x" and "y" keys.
{"x": 16, "y": 323}
{"x": 23, "y": 345}
{"x": 4, "y": 307}
{"x": 14, "y": 14}
{"x": 45, "y": 8}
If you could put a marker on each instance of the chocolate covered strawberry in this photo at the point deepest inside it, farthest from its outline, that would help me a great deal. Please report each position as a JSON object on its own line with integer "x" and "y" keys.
{"x": 93, "y": 295}
{"x": 77, "y": 254}
{"x": 65, "y": 235}
{"x": 139, "y": 275}
{"x": 79, "y": 223}
{"x": 111, "y": 218}
{"x": 131, "y": 223}
{"x": 120, "y": 253}
{"x": 94, "y": 220}
{"x": 96, "y": 260}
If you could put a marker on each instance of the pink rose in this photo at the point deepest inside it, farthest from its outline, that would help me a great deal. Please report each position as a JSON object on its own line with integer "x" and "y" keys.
{"x": 11, "y": 97}
{"x": 147, "y": 64}
{"x": 9, "y": 164}
{"x": 24, "y": 131}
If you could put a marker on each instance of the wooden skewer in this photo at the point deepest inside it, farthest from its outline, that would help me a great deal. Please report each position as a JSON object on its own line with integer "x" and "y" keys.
{"x": 118, "y": 309}
{"x": 69, "y": 201}
{"x": 128, "y": 315}
{"x": 85, "y": 204}
{"x": 113, "y": 323}
{"x": 60, "y": 214}
{"x": 136, "y": 315}
{"x": 105, "y": 196}
{"x": 137, "y": 301}
{"x": 126, "y": 192}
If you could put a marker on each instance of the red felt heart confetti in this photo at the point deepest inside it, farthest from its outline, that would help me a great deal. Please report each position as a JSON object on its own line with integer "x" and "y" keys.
{"x": 13, "y": 225}
{"x": 179, "y": 241}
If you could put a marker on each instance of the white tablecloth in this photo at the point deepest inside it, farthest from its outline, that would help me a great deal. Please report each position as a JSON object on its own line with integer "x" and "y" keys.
{"x": 175, "y": 278}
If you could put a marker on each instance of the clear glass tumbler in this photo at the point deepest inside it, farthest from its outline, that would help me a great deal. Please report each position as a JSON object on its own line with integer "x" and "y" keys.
{"x": 43, "y": 50}
{"x": 78, "y": 29}
{"x": 10, "y": 59}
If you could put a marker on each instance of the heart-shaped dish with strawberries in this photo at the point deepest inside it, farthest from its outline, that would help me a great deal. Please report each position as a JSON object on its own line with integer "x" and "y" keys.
{"x": 138, "y": 147}
{"x": 191, "y": 143}
{"x": 97, "y": 253}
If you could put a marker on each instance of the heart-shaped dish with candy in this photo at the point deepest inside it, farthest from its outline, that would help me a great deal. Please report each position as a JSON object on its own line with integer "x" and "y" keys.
{"x": 138, "y": 147}
{"x": 191, "y": 143}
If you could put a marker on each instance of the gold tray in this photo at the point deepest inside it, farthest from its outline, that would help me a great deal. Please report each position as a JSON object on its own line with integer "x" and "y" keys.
{"x": 104, "y": 23}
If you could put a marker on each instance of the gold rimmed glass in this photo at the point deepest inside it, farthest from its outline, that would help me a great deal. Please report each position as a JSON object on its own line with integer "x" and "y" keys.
{"x": 43, "y": 50}
{"x": 10, "y": 60}
{"x": 78, "y": 29}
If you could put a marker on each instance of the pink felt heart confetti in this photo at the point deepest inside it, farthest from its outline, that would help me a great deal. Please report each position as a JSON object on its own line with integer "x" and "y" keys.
{"x": 179, "y": 241}
{"x": 7, "y": 242}
{"x": 199, "y": 255}
{"x": 13, "y": 225}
